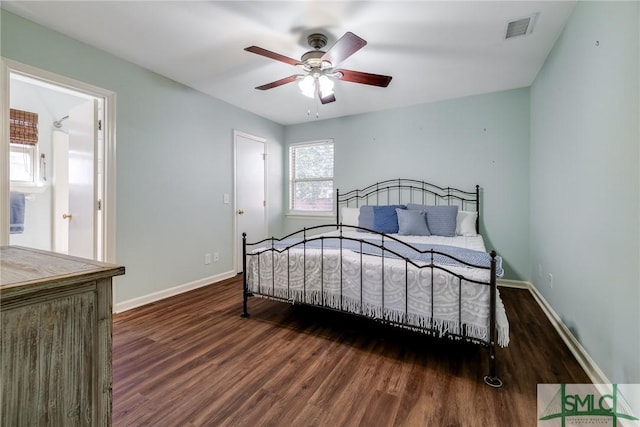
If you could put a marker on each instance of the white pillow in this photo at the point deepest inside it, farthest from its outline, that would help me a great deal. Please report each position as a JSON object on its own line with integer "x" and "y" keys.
{"x": 349, "y": 216}
{"x": 466, "y": 223}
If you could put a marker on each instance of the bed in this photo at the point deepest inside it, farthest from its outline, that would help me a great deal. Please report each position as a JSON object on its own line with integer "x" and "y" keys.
{"x": 384, "y": 260}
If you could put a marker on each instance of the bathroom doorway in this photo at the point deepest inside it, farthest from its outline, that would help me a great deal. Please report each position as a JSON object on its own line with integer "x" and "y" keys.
{"x": 59, "y": 193}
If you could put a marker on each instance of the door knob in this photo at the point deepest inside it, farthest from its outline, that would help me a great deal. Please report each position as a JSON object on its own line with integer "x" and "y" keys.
{"x": 67, "y": 216}
{"x": 240, "y": 211}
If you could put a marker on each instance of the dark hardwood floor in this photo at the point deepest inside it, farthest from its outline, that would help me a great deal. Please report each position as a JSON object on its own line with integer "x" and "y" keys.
{"x": 191, "y": 360}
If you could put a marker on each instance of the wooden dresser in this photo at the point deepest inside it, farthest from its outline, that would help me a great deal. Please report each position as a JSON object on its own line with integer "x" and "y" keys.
{"x": 55, "y": 362}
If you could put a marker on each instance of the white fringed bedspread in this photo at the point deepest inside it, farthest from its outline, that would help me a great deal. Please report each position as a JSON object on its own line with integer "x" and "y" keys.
{"x": 318, "y": 281}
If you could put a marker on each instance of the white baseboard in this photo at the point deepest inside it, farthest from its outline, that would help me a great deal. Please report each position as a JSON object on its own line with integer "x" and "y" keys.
{"x": 592, "y": 370}
{"x": 518, "y": 284}
{"x": 166, "y": 293}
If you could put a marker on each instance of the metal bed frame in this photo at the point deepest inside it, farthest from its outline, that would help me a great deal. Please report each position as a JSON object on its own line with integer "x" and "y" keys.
{"x": 399, "y": 191}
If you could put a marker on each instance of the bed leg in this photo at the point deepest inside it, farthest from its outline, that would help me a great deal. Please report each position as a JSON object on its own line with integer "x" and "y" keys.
{"x": 245, "y": 296}
{"x": 245, "y": 291}
{"x": 492, "y": 379}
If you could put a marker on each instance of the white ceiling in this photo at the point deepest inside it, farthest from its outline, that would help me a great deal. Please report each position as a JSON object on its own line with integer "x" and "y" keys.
{"x": 434, "y": 50}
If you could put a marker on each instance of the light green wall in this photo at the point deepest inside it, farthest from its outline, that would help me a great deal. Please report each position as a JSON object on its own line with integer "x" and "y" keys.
{"x": 480, "y": 140}
{"x": 174, "y": 161}
{"x": 585, "y": 185}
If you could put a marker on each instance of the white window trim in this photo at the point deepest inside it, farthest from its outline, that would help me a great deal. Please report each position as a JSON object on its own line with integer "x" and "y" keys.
{"x": 36, "y": 185}
{"x": 33, "y": 154}
{"x": 291, "y": 213}
{"x": 311, "y": 214}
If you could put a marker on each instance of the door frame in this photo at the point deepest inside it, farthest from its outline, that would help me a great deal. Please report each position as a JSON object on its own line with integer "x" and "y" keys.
{"x": 108, "y": 211}
{"x": 237, "y": 263}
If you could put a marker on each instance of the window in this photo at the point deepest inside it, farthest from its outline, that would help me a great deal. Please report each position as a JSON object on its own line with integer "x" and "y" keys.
{"x": 23, "y": 140}
{"x": 22, "y": 164}
{"x": 311, "y": 177}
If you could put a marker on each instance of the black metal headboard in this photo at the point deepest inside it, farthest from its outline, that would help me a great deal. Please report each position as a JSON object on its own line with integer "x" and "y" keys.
{"x": 403, "y": 191}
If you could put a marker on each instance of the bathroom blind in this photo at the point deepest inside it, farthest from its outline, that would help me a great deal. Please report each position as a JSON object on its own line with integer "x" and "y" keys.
{"x": 23, "y": 127}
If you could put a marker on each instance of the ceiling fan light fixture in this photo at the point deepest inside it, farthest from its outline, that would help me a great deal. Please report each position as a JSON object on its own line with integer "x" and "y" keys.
{"x": 319, "y": 67}
{"x": 308, "y": 86}
{"x": 325, "y": 85}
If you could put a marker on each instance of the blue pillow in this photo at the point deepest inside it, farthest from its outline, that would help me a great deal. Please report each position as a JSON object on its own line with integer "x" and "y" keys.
{"x": 365, "y": 219}
{"x": 385, "y": 218}
{"x": 412, "y": 223}
{"x": 441, "y": 220}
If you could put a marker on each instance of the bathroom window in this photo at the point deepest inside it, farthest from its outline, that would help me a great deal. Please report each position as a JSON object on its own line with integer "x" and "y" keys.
{"x": 23, "y": 143}
{"x": 22, "y": 164}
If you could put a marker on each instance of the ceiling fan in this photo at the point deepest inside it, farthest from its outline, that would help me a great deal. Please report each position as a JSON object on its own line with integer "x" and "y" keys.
{"x": 319, "y": 67}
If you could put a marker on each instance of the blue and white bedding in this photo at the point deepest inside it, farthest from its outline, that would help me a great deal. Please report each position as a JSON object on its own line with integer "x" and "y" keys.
{"x": 320, "y": 277}
{"x": 419, "y": 253}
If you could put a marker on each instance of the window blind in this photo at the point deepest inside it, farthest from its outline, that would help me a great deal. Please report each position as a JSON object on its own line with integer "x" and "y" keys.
{"x": 311, "y": 176}
{"x": 23, "y": 127}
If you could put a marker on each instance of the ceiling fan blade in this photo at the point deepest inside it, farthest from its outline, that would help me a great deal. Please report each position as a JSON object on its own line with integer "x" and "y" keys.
{"x": 346, "y": 46}
{"x": 264, "y": 52}
{"x": 364, "y": 78}
{"x": 278, "y": 82}
{"x": 327, "y": 99}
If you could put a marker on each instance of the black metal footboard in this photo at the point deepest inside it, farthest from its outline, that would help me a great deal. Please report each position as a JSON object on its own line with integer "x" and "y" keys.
{"x": 324, "y": 257}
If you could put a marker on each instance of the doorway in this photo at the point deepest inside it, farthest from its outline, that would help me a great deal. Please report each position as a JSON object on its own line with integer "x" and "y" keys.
{"x": 67, "y": 200}
{"x": 250, "y": 207}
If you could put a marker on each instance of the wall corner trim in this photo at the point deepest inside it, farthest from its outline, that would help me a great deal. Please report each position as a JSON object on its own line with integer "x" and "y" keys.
{"x": 166, "y": 293}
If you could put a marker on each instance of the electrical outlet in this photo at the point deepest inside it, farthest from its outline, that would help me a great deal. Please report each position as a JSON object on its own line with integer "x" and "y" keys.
{"x": 216, "y": 257}
{"x": 207, "y": 259}
{"x": 551, "y": 280}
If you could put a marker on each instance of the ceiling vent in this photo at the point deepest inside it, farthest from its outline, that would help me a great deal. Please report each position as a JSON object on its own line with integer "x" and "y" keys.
{"x": 520, "y": 27}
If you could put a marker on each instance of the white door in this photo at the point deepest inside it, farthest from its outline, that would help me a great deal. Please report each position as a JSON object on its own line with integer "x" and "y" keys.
{"x": 250, "y": 201}
{"x": 60, "y": 167}
{"x": 82, "y": 200}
